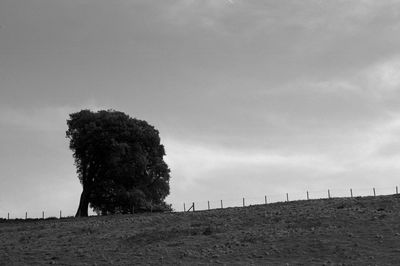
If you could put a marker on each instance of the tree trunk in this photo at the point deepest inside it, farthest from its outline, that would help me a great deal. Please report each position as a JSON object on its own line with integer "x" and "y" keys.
{"x": 83, "y": 204}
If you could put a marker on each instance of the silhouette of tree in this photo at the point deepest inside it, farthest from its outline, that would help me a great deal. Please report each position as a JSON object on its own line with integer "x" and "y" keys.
{"x": 119, "y": 162}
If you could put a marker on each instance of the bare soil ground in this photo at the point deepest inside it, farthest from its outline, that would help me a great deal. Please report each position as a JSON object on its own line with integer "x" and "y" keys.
{"x": 339, "y": 231}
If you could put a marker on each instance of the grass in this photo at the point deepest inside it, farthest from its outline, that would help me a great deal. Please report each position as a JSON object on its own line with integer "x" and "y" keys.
{"x": 337, "y": 231}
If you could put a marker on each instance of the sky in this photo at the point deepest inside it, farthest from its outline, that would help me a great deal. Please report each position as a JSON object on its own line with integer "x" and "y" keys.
{"x": 251, "y": 97}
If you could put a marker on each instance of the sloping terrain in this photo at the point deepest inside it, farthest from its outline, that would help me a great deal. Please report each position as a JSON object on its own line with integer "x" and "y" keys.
{"x": 339, "y": 231}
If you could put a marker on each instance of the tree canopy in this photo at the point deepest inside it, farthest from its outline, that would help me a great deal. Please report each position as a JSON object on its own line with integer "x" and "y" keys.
{"x": 119, "y": 162}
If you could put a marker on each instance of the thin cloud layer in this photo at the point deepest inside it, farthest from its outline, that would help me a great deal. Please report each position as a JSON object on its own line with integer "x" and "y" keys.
{"x": 247, "y": 95}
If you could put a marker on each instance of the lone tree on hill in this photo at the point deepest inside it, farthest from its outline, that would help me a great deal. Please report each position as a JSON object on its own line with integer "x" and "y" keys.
{"x": 119, "y": 162}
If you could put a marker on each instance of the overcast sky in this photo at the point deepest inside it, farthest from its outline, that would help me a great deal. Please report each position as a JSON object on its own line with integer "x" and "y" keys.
{"x": 251, "y": 97}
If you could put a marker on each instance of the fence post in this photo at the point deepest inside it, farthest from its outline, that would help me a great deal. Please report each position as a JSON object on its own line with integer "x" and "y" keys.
{"x": 43, "y": 215}
{"x": 243, "y": 203}
{"x": 374, "y": 192}
{"x": 222, "y": 206}
{"x": 60, "y": 214}
{"x": 329, "y": 194}
{"x": 208, "y": 204}
{"x": 308, "y": 196}
{"x": 184, "y": 207}
{"x": 8, "y": 216}
{"x": 351, "y": 193}
{"x": 26, "y": 215}
{"x": 397, "y": 190}
{"x": 193, "y": 206}
{"x": 287, "y": 197}
{"x": 265, "y": 198}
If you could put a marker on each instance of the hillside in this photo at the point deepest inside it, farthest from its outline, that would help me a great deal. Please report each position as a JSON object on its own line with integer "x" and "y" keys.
{"x": 339, "y": 231}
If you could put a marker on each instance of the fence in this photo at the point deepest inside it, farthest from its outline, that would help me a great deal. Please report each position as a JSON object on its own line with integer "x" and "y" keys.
{"x": 242, "y": 202}
{"x": 306, "y": 195}
{"x": 49, "y": 214}
{"x": 36, "y": 215}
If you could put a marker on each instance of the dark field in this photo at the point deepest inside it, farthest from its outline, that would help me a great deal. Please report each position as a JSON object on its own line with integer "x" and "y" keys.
{"x": 339, "y": 231}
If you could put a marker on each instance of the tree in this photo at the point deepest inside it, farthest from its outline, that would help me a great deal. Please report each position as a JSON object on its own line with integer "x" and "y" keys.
{"x": 119, "y": 162}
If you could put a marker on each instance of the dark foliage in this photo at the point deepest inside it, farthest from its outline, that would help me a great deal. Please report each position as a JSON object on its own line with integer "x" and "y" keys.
{"x": 119, "y": 162}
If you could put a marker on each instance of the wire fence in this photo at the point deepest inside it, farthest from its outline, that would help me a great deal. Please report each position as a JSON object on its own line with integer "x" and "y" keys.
{"x": 283, "y": 197}
{"x": 45, "y": 214}
{"x": 232, "y": 202}
{"x": 36, "y": 215}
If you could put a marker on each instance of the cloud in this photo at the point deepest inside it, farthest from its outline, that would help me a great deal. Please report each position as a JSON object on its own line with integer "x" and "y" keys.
{"x": 358, "y": 160}
{"x": 325, "y": 132}
{"x": 385, "y": 142}
{"x": 200, "y": 167}
{"x": 211, "y": 157}
{"x": 385, "y": 75}
{"x": 44, "y": 119}
{"x": 266, "y": 93}
{"x": 37, "y": 166}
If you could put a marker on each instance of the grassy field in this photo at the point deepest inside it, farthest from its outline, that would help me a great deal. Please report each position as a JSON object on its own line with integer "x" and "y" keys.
{"x": 338, "y": 231}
